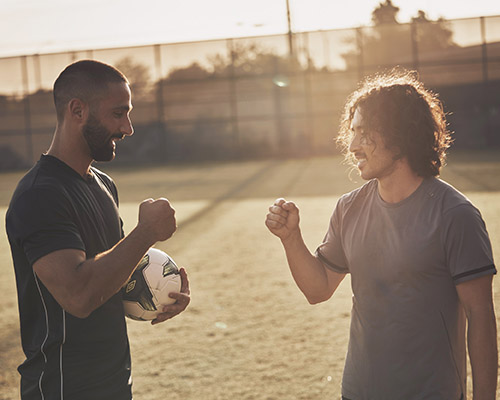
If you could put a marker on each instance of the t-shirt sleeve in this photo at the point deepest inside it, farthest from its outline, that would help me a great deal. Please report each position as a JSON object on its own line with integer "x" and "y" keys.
{"x": 330, "y": 252}
{"x": 467, "y": 244}
{"x": 40, "y": 222}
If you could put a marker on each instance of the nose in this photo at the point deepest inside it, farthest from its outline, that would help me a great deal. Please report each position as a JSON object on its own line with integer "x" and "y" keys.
{"x": 355, "y": 143}
{"x": 127, "y": 128}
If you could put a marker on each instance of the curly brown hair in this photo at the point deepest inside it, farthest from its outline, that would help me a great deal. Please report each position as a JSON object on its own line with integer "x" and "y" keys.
{"x": 409, "y": 117}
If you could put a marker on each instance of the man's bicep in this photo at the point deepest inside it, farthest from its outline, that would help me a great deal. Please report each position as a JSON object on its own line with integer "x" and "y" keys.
{"x": 334, "y": 279}
{"x": 58, "y": 271}
{"x": 41, "y": 223}
{"x": 476, "y": 294}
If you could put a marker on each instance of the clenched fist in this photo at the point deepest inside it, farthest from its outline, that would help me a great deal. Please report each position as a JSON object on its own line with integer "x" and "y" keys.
{"x": 157, "y": 219}
{"x": 283, "y": 219}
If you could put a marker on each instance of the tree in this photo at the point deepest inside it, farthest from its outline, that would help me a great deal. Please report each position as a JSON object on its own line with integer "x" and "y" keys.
{"x": 243, "y": 59}
{"x": 432, "y": 35}
{"x": 138, "y": 76}
{"x": 194, "y": 71}
{"x": 388, "y": 42}
{"x": 385, "y": 13}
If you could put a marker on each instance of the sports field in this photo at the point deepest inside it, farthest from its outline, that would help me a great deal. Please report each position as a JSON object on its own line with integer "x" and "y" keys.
{"x": 248, "y": 332}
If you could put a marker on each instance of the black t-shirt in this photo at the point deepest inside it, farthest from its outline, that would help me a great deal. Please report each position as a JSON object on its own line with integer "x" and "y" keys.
{"x": 54, "y": 208}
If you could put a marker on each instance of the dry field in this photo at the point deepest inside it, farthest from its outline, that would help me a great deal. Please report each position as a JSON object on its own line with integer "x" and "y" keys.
{"x": 248, "y": 333}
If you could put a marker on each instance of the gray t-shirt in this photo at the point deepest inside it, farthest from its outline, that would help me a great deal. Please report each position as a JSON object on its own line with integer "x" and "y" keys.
{"x": 407, "y": 337}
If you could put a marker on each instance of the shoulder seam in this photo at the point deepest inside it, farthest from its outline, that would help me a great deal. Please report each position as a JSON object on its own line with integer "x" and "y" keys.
{"x": 459, "y": 205}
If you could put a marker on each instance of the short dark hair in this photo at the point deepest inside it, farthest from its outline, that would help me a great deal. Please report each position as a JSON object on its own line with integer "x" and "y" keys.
{"x": 409, "y": 117}
{"x": 86, "y": 80}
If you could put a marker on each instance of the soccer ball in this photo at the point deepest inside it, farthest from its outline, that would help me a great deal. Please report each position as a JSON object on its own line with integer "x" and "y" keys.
{"x": 147, "y": 291}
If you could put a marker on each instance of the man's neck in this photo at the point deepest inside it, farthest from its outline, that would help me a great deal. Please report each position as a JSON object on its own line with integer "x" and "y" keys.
{"x": 399, "y": 185}
{"x": 69, "y": 155}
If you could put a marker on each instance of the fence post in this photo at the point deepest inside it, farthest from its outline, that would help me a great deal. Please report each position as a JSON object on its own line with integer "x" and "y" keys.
{"x": 484, "y": 50}
{"x": 27, "y": 111}
{"x": 278, "y": 112}
{"x": 308, "y": 139}
{"x": 233, "y": 98}
{"x": 414, "y": 44}
{"x": 160, "y": 103}
{"x": 359, "y": 42}
{"x": 290, "y": 32}
{"x": 486, "y": 100}
{"x": 159, "y": 93}
{"x": 38, "y": 71}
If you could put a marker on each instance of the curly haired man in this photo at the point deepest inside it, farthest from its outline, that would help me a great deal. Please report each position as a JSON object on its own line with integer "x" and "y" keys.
{"x": 418, "y": 252}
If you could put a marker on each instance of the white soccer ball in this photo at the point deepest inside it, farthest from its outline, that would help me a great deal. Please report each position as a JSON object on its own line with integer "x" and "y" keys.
{"x": 147, "y": 291}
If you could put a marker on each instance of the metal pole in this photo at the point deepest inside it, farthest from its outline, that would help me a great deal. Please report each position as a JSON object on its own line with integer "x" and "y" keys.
{"x": 233, "y": 98}
{"x": 309, "y": 134}
{"x": 160, "y": 103}
{"x": 326, "y": 48}
{"x": 38, "y": 71}
{"x": 484, "y": 50}
{"x": 486, "y": 90}
{"x": 27, "y": 110}
{"x": 359, "y": 41}
{"x": 278, "y": 114}
{"x": 414, "y": 44}
{"x": 290, "y": 33}
{"x": 159, "y": 98}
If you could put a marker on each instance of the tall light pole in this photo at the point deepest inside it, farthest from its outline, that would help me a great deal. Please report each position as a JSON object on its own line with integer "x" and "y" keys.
{"x": 290, "y": 33}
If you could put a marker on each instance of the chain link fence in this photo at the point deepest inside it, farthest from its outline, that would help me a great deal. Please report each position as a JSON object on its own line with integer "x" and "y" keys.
{"x": 262, "y": 96}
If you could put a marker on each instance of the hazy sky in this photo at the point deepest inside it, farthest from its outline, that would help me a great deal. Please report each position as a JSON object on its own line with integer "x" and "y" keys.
{"x": 44, "y": 26}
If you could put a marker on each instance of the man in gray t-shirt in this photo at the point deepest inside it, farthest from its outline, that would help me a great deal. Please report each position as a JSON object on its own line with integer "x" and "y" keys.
{"x": 417, "y": 250}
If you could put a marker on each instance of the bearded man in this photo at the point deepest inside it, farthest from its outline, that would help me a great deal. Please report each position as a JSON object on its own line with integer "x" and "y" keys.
{"x": 70, "y": 254}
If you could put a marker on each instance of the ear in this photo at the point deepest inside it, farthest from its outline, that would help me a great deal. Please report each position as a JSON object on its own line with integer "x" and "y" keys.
{"x": 78, "y": 110}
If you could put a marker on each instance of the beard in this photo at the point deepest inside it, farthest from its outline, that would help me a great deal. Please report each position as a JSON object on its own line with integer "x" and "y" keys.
{"x": 99, "y": 139}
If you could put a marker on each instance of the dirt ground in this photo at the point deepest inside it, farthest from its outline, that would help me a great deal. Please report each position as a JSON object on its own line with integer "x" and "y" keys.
{"x": 248, "y": 332}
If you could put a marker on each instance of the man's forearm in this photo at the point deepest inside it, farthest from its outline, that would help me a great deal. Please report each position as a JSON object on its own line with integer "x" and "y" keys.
{"x": 482, "y": 345}
{"x": 119, "y": 262}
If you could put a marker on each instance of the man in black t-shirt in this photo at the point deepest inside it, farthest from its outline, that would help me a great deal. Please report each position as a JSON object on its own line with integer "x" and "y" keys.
{"x": 70, "y": 254}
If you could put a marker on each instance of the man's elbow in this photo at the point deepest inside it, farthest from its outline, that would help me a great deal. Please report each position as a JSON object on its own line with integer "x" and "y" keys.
{"x": 82, "y": 314}
{"x": 316, "y": 298}
{"x": 79, "y": 306}
{"x": 318, "y": 294}
{"x": 314, "y": 301}
{"x": 78, "y": 311}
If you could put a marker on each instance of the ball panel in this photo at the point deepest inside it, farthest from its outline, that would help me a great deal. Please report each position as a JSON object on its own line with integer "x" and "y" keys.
{"x": 160, "y": 267}
{"x": 147, "y": 291}
{"x": 172, "y": 285}
{"x": 133, "y": 310}
{"x": 137, "y": 289}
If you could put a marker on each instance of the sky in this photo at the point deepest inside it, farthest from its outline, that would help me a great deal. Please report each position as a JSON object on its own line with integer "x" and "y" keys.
{"x": 46, "y": 26}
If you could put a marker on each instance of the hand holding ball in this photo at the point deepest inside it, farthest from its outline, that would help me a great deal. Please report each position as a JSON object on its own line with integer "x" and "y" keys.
{"x": 148, "y": 289}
